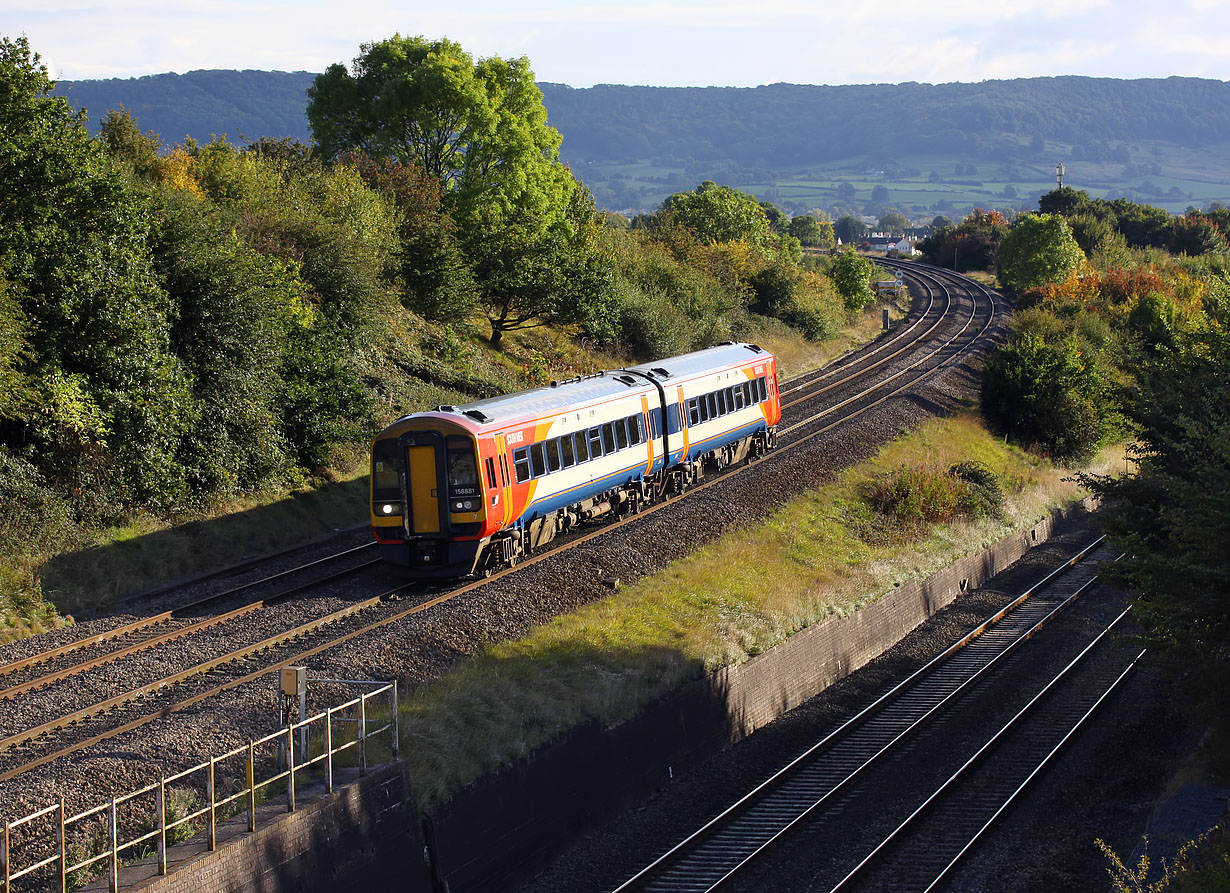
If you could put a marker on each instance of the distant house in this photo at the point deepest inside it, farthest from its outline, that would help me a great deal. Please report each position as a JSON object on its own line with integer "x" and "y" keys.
{"x": 880, "y": 242}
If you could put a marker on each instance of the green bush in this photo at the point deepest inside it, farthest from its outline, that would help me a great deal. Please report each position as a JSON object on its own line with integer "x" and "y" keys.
{"x": 915, "y": 497}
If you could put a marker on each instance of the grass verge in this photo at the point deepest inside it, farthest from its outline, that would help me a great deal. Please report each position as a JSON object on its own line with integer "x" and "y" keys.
{"x": 824, "y": 554}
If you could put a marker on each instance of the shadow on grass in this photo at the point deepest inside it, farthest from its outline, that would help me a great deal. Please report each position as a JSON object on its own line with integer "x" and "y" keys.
{"x": 509, "y": 823}
{"x": 90, "y": 582}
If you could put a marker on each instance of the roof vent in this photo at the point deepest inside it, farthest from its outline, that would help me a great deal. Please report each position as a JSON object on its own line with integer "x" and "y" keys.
{"x": 754, "y": 348}
{"x": 658, "y": 370}
{"x": 626, "y": 379}
{"x": 478, "y": 415}
{"x": 446, "y": 408}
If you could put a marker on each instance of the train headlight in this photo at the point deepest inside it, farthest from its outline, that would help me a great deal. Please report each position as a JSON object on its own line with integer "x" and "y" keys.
{"x": 464, "y": 505}
{"x": 387, "y": 508}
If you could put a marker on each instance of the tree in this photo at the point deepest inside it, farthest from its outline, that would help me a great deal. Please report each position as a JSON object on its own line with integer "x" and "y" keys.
{"x": 110, "y": 399}
{"x": 849, "y": 229}
{"x": 812, "y": 233}
{"x": 1038, "y": 250}
{"x": 1046, "y": 395}
{"x": 852, "y": 276}
{"x": 894, "y": 222}
{"x": 778, "y": 222}
{"x": 479, "y": 128}
{"x": 527, "y": 279}
{"x": 879, "y": 193}
{"x": 719, "y": 214}
{"x": 1172, "y": 517}
{"x": 940, "y": 221}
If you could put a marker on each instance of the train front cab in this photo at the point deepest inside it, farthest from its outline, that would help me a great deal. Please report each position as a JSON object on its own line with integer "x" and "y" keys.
{"x": 428, "y": 500}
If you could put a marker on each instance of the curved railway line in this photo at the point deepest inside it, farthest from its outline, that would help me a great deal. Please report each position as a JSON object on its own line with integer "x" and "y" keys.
{"x": 803, "y": 789}
{"x": 944, "y": 326}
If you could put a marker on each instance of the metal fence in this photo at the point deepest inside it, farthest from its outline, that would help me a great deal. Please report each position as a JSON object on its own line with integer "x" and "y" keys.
{"x": 60, "y": 846}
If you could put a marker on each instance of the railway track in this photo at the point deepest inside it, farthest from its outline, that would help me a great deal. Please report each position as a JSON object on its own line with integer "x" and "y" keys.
{"x": 805, "y": 788}
{"x": 920, "y": 852}
{"x": 946, "y": 332}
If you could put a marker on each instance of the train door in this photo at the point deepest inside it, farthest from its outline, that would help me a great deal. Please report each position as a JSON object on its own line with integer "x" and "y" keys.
{"x": 423, "y": 462}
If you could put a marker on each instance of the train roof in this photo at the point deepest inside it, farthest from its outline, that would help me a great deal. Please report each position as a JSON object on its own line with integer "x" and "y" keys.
{"x": 733, "y": 353}
{"x": 562, "y": 396}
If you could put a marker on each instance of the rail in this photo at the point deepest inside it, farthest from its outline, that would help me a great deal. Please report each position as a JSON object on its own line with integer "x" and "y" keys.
{"x": 281, "y": 757}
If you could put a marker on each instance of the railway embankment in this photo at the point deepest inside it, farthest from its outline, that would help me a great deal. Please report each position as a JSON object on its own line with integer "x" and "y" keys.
{"x": 502, "y": 828}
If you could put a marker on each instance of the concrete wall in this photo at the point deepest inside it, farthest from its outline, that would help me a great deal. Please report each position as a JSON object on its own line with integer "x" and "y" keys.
{"x": 504, "y": 828}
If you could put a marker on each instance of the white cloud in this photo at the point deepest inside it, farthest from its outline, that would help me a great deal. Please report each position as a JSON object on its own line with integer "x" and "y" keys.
{"x": 724, "y": 42}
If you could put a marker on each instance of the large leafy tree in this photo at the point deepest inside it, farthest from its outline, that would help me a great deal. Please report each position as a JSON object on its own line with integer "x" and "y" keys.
{"x": 852, "y": 276}
{"x": 480, "y": 129}
{"x": 719, "y": 214}
{"x": 110, "y": 400}
{"x": 1038, "y": 250}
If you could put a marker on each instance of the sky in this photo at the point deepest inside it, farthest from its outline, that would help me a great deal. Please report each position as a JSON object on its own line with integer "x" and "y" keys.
{"x": 739, "y": 43}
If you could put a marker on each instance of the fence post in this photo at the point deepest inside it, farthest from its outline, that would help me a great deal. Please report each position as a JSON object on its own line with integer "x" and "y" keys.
{"x": 329, "y": 750}
{"x": 4, "y": 857}
{"x": 290, "y": 769}
{"x": 162, "y": 826}
{"x": 63, "y": 851}
{"x": 213, "y": 815}
{"x": 396, "y": 724}
{"x": 115, "y": 850}
{"x": 251, "y": 786}
{"x": 362, "y": 735}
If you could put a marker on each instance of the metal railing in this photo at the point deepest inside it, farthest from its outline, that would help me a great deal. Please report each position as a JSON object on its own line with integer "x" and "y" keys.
{"x": 61, "y": 843}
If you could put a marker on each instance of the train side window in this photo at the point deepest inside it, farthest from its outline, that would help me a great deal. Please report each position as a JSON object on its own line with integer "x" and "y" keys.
{"x": 582, "y": 444}
{"x": 608, "y": 437}
{"x": 693, "y": 411}
{"x": 636, "y": 429}
{"x": 538, "y": 460}
{"x": 490, "y": 473}
{"x": 711, "y": 402}
{"x": 762, "y": 389}
{"x": 655, "y": 424}
{"x": 565, "y": 449}
{"x": 521, "y": 463}
{"x": 595, "y": 442}
{"x": 551, "y": 448}
{"x": 748, "y": 399}
{"x": 721, "y": 402}
{"x": 621, "y": 433}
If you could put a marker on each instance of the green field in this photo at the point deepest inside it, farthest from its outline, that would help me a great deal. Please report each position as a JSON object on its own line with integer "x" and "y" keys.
{"x": 925, "y": 185}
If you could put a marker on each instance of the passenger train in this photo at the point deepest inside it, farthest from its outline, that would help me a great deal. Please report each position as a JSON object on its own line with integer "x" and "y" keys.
{"x": 475, "y": 488}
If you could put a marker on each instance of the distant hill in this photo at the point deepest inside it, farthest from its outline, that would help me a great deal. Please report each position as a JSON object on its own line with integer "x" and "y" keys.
{"x": 201, "y": 104}
{"x": 633, "y": 145}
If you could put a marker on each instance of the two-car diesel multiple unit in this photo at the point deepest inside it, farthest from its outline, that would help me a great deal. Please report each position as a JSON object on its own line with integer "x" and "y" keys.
{"x": 471, "y": 489}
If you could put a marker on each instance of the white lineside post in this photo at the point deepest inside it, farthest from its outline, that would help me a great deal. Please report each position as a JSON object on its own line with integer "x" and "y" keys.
{"x": 161, "y": 812}
{"x": 115, "y": 847}
{"x": 251, "y": 786}
{"x": 362, "y": 734}
{"x": 329, "y": 750}
{"x": 213, "y": 812}
{"x": 4, "y": 858}
{"x": 63, "y": 844}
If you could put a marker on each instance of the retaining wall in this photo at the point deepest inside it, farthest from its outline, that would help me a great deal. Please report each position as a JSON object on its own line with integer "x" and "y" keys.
{"x": 504, "y": 828}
